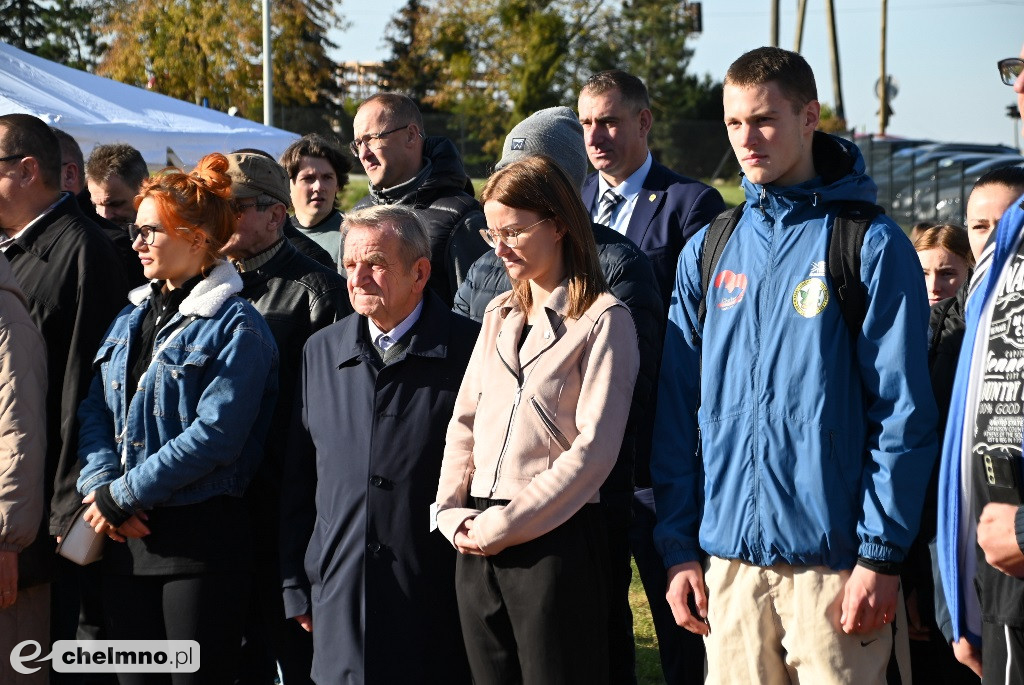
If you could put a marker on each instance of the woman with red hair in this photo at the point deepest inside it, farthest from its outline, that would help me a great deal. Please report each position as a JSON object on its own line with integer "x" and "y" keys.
{"x": 173, "y": 427}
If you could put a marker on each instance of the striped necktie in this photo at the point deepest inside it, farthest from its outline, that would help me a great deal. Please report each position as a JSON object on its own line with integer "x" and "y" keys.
{"x": 609, "y": 201}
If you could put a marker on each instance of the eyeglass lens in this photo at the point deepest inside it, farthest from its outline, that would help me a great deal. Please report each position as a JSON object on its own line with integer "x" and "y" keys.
{"x": 1009, "y": 69}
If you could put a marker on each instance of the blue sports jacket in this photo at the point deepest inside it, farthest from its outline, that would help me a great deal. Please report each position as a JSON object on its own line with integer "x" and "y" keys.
{"x": 781, "y": 438}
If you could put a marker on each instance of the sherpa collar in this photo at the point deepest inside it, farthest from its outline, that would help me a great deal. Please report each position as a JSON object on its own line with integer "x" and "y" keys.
{"x": 207, "y": 297}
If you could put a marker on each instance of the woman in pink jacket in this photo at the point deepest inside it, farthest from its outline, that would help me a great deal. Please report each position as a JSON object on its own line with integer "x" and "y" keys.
{"x": 536, "y": 430}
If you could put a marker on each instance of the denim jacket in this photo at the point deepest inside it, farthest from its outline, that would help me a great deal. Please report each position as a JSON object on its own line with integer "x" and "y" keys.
{"x": 195, "y": 427}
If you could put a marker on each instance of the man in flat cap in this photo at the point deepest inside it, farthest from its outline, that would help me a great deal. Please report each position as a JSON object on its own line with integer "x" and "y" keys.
{"x": 297, "y": 296}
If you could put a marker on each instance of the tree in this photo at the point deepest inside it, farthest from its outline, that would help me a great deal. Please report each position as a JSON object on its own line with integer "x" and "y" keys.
{"x": 411, "y": 68}
{"x": 23, "y": 25}
{"x": 648, "y": 38}
{"x": 489, "y": 62}
{"x": 195, "y": 50}
{"x": 59, "y": 30}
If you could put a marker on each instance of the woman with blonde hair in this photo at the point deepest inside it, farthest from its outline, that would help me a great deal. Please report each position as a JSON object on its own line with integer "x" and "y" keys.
{"x": 173, "y": 427}
{"x": 536, "y": 430}
{"x": 946, "y": 259}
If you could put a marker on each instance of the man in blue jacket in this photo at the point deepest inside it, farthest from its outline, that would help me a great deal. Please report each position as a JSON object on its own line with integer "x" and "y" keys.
{"x": 791, "y": 450}
{"x": 980, "y": 489}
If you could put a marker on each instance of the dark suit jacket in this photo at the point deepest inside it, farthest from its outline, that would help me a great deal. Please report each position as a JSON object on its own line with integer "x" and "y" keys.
{"x": 669, "y": 210}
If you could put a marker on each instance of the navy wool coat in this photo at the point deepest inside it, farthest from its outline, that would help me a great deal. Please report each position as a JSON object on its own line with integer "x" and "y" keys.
{"x": 356, "y": 548}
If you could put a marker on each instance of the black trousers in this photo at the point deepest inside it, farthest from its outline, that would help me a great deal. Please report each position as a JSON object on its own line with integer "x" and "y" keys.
{"x": 537, "y": 613}
{"x": 208, "y": 608}
{"x": 1002, "y": 654}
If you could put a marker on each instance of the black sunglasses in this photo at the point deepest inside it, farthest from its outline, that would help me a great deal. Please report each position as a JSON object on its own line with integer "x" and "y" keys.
{"x": 1009, "y": 69}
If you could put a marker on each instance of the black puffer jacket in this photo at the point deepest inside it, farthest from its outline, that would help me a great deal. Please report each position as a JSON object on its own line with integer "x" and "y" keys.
{"x": 631, "y": 279}
{"x": 452, "y": 215}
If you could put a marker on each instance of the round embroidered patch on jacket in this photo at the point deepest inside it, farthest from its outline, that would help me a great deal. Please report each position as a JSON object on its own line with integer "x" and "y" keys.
{"x": 810, "y": 297}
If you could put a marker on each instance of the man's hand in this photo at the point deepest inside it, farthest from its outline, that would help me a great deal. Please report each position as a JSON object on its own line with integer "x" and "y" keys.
{"x": 684, "y": 580}
{"x": 306, "y": 621}
{"x": 968, "y": 655}
{"x": 869, "y": 600}
{"x": 997, "y": 537}
{"x": 8, "y": 578}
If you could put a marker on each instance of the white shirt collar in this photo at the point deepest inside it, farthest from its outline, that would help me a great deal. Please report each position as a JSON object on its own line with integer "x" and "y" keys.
{"x": 629, "y": 190}
{"x": 385, "y": 339}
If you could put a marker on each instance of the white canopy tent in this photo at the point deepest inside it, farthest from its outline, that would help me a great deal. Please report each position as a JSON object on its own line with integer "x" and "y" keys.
{"x": 97, "y": 110}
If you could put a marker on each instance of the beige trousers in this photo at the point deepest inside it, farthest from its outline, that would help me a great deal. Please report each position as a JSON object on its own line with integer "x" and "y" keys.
{"x": 780, "y": 624}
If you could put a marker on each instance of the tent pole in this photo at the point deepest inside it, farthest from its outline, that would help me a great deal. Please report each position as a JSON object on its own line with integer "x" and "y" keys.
{"x": 268, "y": 84}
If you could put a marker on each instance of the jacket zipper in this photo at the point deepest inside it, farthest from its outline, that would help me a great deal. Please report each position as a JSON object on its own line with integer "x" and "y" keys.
{"x": 508, "y": 437}
{"x": 550, "y": 425}
{"x": 756, "y": 415}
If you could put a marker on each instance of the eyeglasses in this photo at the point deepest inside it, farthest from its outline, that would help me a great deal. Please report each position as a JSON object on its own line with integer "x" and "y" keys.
{"x": 148, "y": 233}
{"x": 11, "y": 158}
{"x": 1009, "y": 69}
{"x": 508, "y": 236}
{"x": 239, "y": 208}
{"x": 358, "y": 143}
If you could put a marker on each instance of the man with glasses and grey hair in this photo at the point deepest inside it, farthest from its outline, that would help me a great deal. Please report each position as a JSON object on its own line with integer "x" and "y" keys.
{"x": 405, "y": 167}
{"x": 980, "y": 488}
{"x": 298, "y": 297}
{"x": 361, "y": 569}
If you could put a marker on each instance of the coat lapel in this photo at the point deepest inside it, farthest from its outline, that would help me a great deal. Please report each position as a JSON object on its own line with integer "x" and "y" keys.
{"x": 589, "y": 191}
{"x": 647, "y": 205}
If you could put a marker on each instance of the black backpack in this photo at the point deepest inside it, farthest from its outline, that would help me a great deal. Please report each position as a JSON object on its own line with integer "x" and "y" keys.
{"x": 844, "y": 245}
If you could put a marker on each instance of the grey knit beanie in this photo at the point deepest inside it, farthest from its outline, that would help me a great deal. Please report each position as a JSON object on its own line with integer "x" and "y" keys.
{"x": 555, "y": 132}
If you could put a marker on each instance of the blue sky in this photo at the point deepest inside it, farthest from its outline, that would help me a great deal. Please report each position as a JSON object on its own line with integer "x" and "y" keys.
{"x": 942, "y": 54}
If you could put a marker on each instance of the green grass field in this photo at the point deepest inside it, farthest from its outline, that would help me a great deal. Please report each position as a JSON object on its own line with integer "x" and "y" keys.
{"x": 648, "y": 664}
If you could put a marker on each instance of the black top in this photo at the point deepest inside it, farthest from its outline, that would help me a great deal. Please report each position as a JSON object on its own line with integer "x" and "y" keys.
{"x": 997, "y": 437}
{"x": 162, "y": 306}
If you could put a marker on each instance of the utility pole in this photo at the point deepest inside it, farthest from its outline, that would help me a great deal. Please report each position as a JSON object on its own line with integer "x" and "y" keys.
{"x": 268, "y": 84}
{"x": 836, "y": 82}
{"x": 801, "y": 12}
{"x": 775, "y": 23}
{"x": 883, "y": 96}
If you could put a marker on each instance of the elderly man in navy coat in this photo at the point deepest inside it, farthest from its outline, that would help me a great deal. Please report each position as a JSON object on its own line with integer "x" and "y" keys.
{"x": 658, "y": 210}
{"x": 360, "y": 568}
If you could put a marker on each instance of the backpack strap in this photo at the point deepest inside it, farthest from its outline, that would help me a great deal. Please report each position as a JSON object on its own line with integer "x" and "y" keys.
{"x": 715, "y": 239}
{"x": 844, "y": 246}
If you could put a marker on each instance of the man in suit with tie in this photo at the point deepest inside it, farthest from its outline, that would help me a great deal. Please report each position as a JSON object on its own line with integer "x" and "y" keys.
{"x": 631, "y": 192}
{"x": 658, "y": 210}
